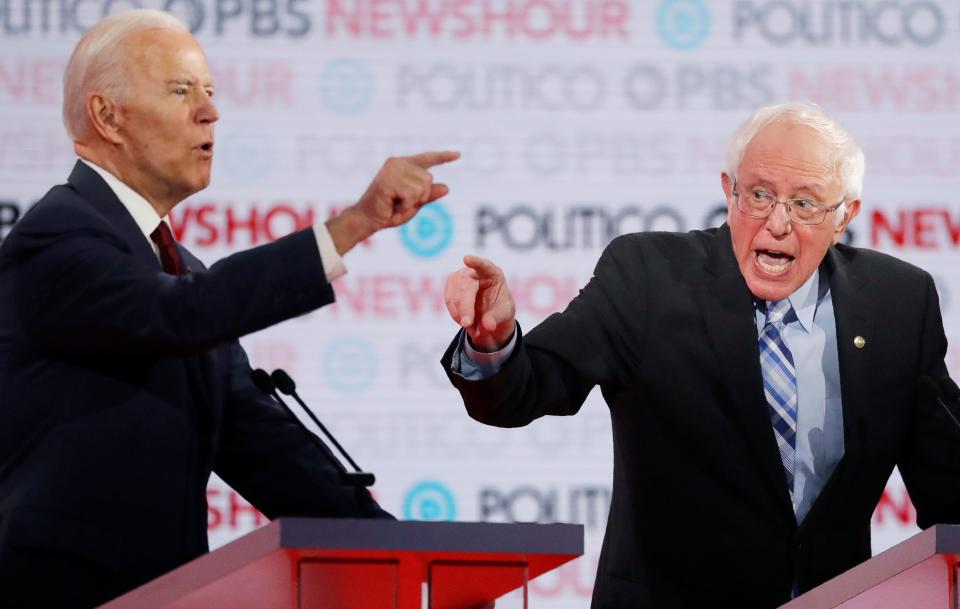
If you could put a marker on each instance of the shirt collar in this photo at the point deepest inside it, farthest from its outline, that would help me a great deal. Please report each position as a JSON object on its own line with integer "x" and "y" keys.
{"x": 143, "y": 213}
{"x": 804, "y": 301}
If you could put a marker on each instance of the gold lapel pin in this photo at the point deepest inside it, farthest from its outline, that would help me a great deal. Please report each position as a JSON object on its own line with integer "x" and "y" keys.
{"x": 859, "y": 342}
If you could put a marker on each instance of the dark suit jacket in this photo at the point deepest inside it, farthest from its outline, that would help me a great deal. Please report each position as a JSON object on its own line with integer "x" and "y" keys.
{"x": 122, "y": 388}
{"x": 700, "y": 514}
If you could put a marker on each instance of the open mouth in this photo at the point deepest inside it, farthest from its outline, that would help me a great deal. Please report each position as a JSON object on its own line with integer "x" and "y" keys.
{"x": 773, "y": 262}
{"x": 207, "y": 147}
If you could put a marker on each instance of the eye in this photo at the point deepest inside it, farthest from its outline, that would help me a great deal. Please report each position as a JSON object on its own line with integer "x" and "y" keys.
{"x": 209, "y": 92}
{"x": 805, "y": 204}
{"x": 180, "y": 91}
{"x": 761, "y": 196}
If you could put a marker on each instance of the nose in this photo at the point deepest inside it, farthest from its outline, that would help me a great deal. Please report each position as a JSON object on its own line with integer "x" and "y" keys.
{"x": 207, "y": 112}
{"x": 778, "y": 222}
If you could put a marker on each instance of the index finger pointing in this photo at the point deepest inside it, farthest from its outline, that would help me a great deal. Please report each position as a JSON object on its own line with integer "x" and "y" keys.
{"x": 429, "y": 159}
{"x": 482, "y": 266}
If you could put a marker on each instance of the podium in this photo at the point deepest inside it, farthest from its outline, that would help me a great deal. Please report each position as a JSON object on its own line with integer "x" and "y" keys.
{"x": 919, "y": 573}
{"x": 305, "y": 563}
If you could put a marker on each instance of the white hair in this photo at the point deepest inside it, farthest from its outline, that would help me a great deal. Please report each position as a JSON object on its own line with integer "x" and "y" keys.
{"x": 849, "y": 161}
{"x": 97, "y": 62}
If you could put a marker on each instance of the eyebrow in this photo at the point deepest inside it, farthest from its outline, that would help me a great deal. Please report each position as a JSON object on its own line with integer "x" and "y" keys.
{"x": 816, "y": 189}
{"x": 189, "y": 82}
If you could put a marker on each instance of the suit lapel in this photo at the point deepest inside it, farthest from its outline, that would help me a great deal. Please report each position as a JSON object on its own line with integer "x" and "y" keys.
{"x": 95, "y": 191}
{"x": 728, "y": 312}
{"x": 854, "y": 314}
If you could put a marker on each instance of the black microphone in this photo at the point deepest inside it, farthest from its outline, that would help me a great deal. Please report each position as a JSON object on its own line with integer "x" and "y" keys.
{"x": 265, "y": 384}
{"x": 286, "y": 385}
{"x": 940, "y": 389}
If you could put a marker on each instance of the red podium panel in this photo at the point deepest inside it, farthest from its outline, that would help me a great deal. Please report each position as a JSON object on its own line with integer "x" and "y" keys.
{"x": 919, "y": 573}
{"x": 300, "y": 563}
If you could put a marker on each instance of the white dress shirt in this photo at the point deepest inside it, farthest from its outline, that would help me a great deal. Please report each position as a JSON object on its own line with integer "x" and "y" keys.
{"x": 148, "y": 220}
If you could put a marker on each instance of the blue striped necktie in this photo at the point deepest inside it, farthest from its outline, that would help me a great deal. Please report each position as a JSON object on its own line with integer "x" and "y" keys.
{"x": 780, "y": 386}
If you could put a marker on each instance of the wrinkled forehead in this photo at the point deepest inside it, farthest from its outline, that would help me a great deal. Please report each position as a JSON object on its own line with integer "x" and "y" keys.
{"x": 164, "y": 53}
{"x": 785, "y": 149}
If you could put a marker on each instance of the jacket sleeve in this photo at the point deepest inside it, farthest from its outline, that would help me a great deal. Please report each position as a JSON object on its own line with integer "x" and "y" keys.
{"x": 80, "y": 291}
{"x": 930, "y": 462}
{"x": 272, "y": 461}
{"x": 554, "y": 368}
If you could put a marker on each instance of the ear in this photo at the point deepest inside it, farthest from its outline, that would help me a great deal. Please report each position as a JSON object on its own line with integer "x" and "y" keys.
{"x": 727, "y": 184}
{"x": 852, "y": 209}
{"x": 102, "y": 112}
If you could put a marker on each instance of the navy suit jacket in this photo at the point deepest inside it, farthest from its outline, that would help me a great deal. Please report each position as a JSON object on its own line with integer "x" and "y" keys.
{"x": 122, "y": 388}
{"x": 700, "y": 514}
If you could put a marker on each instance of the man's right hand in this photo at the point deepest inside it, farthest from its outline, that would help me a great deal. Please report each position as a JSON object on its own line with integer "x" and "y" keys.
{"x": 398, "y": 191}
{"x": 478, "y": 299}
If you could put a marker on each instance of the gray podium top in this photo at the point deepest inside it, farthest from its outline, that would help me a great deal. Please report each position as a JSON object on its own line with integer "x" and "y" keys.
{"x": 266, "y": 569}
{"x": 918, "y": 573}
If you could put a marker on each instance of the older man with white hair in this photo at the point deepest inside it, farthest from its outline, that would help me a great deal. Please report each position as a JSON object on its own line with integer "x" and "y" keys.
{"x": 123, "y": 382}
{"x": 762, "y": 380}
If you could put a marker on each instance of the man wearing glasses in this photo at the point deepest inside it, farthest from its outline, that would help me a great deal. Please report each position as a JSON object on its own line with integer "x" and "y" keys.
{"x": 762, "y": 380}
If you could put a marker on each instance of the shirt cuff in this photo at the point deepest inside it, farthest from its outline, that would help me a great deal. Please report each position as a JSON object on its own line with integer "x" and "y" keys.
{"x": 333, "y": 266}
{"x": 477, "y": 365}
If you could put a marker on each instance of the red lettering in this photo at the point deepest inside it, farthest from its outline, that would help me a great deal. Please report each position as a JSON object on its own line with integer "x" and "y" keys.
{"x": 576, "y": 577}
{"x": 15, "y": 84}
{"x": 923, "y": 237}
{"x": 879, "y": 223}
{"x": 379, "y": 14}
{"x": 179, "y": 225}
{"x": 384, "y": 296}
{"x": 267, "y": 83}
{"x": 615, "y": 14}
{"x": 389, "y": 296}
{"x": 412, "y": 20}
{"x": 292, "y": 216}
{"x": 900, "y": 508}
{"x": 926, "y": 228}
{"x": 34, "y": 81}
{"x": 336, "y": 14}
{"x": 883, "y": 87}
{"x": 204, "y": 221}
{"x": 46, "y": 80}
{"x": 238, "y": 506}
{"x": 953, "y": 228}
{"x": 251, "y": 224}
{"x": 424, "y": 294}
{"x": 466, "y": 19}
{"x": 214, "y": 516}
{"x": 856, "y": 88}
{"x": 350, "y": 295}
{"x": 542, "y": 295}
{"x": 491, "y": 17}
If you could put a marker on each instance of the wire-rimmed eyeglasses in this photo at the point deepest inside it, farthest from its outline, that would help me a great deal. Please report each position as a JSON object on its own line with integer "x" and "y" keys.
{"x": 758, "y": 203}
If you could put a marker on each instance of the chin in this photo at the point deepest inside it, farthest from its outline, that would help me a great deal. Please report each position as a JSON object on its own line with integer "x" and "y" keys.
{"x": 770, "y": 291}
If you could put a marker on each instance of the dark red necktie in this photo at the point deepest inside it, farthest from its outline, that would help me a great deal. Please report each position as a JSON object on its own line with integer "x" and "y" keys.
{"x": 169, "y": 256}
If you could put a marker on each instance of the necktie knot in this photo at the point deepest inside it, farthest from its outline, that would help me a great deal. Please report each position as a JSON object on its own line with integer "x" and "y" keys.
{"x": 777, "y": 311}
{"x": 162, "y": 235}
{"x": 167, "y": 246}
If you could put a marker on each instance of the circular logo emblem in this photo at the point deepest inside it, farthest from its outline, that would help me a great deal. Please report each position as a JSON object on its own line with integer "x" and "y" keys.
{"x": 683, "y": 24}
{"x": 246, "y": 158}
{"x": 430, "y": 232}
{"x": 350, "y": 364}
{"x": 347, "y": 86}
{"x": 429, "y": 500}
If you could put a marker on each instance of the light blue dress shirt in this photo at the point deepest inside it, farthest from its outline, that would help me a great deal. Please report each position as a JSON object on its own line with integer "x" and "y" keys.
{"x": 810, "y": 332}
